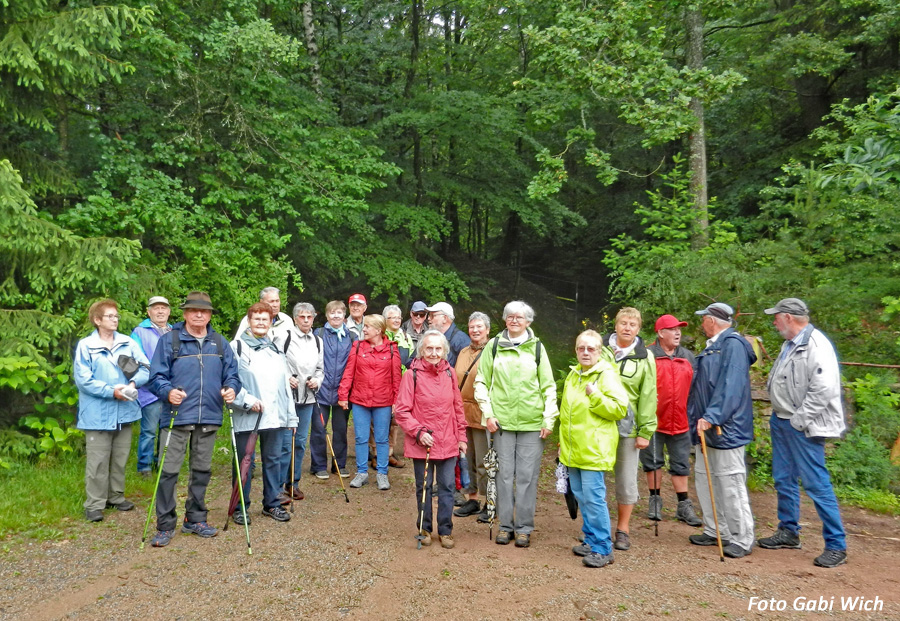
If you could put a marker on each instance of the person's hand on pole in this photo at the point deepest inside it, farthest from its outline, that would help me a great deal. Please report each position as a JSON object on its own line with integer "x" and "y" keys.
{"x": 257, "y": 407}
{"x": 493, "y": 425}
{"x": 641, "y": 443}
{"x": 703, "y": 425}
{"x": 462, "y": 448}
{"x": 295, "y": 383}
{"x": 176, "y": 396}
{"x": 425, "y": 439}
{"x": 228, "y": 395}
{"x": 312, "y": 384}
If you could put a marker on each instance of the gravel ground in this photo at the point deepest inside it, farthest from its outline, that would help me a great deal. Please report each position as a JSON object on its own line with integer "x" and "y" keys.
{"x": 335, "y": 560}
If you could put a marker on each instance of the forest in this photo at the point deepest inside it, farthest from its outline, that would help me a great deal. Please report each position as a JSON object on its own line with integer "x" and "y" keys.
{"x": 652, "y": 153}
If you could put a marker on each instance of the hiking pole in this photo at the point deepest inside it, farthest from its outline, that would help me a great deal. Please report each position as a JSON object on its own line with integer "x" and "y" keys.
{"x": 328, "y": 442}
{"x": 656, "y": 485}
{"x": 240, "y": 484}
{"x": 420, "y": 537}
{"x": 291, "y": 490}
{"x": 159, "y": 473}
{"x": 712, "y": 494}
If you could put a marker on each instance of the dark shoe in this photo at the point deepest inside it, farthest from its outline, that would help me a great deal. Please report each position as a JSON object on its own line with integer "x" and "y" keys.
{"x": 470, "y": 507}
{"x": 783, "y": 538}
{"x": 345, "y": 474}
{"x": 483, "y": 516}
{"x": 322, "y": 474}
{"x": 623, "y": 542}
{"x": 162, "y": 538}
{"x": 581, "y": 550}
{"x": 654, "y": 509}
{"x": 503, "y": 537}
{"x": 705, "y": 540}
{"x": 125, "y": 505}
{"x": 277, "y": 513}
{"x": 297, "y": 493}
{"x": 447, "y": 542}
{"x": 685, "y": 513}
{"x": 93, "y": 515}
{"x": 459, "y": 499}
{"x": 831, "y": 558}
{"x": 523, "y": 540}
{"x": 393, "y": 462}
{"x": 199, "y": 528}
{"x": 284, "y": 499}
{"x": 239, "y": 518}
{"x": 595, "y": 559}
{"x": 733, "y": 550}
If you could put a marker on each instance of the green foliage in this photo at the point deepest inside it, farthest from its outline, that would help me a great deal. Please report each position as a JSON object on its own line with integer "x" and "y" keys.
{"x": 55, "y": 436}
{"x": 860, "y": 461}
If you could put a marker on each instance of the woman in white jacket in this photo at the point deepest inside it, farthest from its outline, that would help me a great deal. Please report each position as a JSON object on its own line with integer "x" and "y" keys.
{"x": 265, "y": 397}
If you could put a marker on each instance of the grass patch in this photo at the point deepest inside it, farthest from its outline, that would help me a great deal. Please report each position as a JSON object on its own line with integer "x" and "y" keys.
{"x": 875, "y": 500}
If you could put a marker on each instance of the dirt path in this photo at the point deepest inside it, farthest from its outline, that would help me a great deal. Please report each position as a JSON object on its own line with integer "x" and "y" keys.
{"x": 359, "y": 561}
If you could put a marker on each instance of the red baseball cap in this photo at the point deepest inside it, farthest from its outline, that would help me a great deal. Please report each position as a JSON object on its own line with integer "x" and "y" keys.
{"x": 668, "y": 321}
{"x": 357, "y": 297}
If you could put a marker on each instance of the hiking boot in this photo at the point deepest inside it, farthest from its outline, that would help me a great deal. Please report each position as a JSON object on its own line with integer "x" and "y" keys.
{"x": 733, "y": 550}
{"x": 831, "y": 558}
{"x": 582, "y": 549}
{"x": 623, "y": 542}
{"x": 654, "y": 509}
{"x": 523, "y": 540}
{"x": 394, "y": 462}
{"x": 503, "y": 537}
{"x": 284, "y": 498}
{"x": 425, "y": 538}
{"x": 361, "y": 478}
{"x": 277, "y": 513}
{"x": 470, "y": 507}
{"x": 297, "y": 493}
{"x": 125, "y": 505}
{"x": 93, "y": 515}
{"x": 685, "y": 513}
{"x": 783, "y": 538}
{"x": 382, "y": 481}
{"x": 459, "y": 499}
{"x": 239, "y": 518}
{"x": 199, "y": 528}
{"x": 483, "y": 516}
{"x": 322, "y": 474}
{"x": 162, "y": 538}
{"x": 706, "y": 540}
{"x": 447, "y": 542}
{"x": 595, "y": 559}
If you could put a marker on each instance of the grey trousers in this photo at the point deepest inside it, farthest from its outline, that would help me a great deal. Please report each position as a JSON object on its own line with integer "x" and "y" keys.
{"x": 104, "y": 469}
{"x": 475, "y": 451}
{"x": 519, "y": 456}
{"x": 729, "y": 479}
{"x": 626, "y": 471}
{"x": 202, "y": 440}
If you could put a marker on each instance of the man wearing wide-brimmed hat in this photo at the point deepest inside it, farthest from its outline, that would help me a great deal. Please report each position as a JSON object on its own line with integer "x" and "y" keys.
{"x": 193, "y": 371}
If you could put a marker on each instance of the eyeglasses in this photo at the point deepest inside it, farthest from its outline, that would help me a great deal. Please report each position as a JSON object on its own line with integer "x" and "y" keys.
{"x": 590, "y": 350}
{"x": 515, "y": 318}
{"x": 420, "y": 314}
{"x": 110, "y": 316}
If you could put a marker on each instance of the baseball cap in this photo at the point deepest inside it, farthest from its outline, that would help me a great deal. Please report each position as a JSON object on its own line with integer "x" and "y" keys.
{"x": 719, "y": 310}
{"x": 668, "y": 321}
{"x": 157, "y": 299}
{"x": 418, "y": 307}
{"x": 441, "y": 307}
{"x": 791, "y": 306}
{"x": 357, "y": 297}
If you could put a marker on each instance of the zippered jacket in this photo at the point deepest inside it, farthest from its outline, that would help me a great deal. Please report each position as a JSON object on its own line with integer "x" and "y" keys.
{"x": 405, "y": 346}
{"x": 673, "y": 384}
{"x": 458, "y": 340}
{"x": 638, "y": 373}
{"x": 429, "y": 398}
{"x": 264, "y": 375}
{"x": 588, "y": 434}
{"x": 470, "y": 406}
{"x": 96, "y": 372}
{"x": 805, "y": 384}
{"x": 147, "y": 336}
{"x": 305, "y": 358}
{"x": 720, "y": 392}
{"x": 512, "y": 389}
{"x": 334, "y": 360}
{"x": 201, "y": 373}
{"x": 372, "y": 376}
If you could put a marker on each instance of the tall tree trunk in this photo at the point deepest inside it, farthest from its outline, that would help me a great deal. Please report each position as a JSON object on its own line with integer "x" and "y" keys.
{"x": 697, "y": 138}
{"x": 312, "y": 47}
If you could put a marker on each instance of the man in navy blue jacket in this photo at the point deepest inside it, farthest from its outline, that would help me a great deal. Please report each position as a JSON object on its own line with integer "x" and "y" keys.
{"x": 193, "y": 371}
{"x": 720, "y": 406}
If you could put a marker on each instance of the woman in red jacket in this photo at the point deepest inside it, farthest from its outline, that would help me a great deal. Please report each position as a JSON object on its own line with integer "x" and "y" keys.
{"x": 369, "y": 384}
{"x": 429, "y": 409}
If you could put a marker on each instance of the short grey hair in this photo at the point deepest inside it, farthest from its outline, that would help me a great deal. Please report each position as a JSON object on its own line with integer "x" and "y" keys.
{"x": 518, "y": 306}
{"x": 727, "y": 323}
{"x": 479, "y": 316}
{"x": 269, "y": 290}
{"x": 392, "y": 307}
{"x": 303, "y": 306}
{"x": 420, "y": 346}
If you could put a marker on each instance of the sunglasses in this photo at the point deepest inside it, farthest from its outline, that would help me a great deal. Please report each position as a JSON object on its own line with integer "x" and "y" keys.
{"x": 420, "y": 313}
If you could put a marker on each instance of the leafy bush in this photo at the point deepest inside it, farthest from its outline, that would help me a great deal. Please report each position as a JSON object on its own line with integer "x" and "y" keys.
{"x": 54, "y": 435}
{"x": 860, "y": 461}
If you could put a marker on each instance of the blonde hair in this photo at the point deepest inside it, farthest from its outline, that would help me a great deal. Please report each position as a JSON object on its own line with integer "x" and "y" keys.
{"x": 375, "y": 321}
{"x": 631, "y": 312}
{"x": 589, "y": 334}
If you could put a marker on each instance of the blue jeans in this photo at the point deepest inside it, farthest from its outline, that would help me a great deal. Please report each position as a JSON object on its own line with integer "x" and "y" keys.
{"x": 146, "y": 452}
{"x": 304, "y": 414}
{"x": 380, "y": 419}
{"x": 446, "y": 482}
{"x": 589, "y": 487}
{"x": 318, "y": 445}
{"x": 794, "y": 456}
{"x": 270, "y": 446}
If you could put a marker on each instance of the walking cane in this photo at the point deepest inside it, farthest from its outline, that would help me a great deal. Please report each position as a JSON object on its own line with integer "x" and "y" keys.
{"x": 420, "y": 537}
{"x": 162, "y": 461}
{"x": 328, "y": 441}
{"x": 712, "y": 494}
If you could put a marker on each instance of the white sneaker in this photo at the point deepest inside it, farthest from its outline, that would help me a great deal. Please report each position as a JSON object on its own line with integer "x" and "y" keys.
{"x": 382, "y": 480}
{"x": 361, "y": 478}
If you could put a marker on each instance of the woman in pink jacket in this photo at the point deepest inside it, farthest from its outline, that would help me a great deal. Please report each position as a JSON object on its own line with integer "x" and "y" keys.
{"x": 429, "y": 409}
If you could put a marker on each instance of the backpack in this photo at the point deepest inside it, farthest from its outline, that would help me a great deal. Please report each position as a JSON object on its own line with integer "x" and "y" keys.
{"x": 287, "y": 343}
{"x": 537, "y": 350}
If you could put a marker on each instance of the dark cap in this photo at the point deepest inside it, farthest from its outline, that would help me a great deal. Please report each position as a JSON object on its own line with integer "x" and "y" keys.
{"x": 668, "y": 321}
{"x": 791, "y": 306}
{"x": 198, "y": 299}
{"x": 719, "y": 310}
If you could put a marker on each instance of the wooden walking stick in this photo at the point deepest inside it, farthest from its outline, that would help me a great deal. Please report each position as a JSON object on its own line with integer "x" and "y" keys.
{"x": 712, "y": 494}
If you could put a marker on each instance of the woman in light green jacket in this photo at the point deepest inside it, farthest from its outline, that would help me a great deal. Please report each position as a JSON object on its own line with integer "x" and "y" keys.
{"x": 593, "y": 400}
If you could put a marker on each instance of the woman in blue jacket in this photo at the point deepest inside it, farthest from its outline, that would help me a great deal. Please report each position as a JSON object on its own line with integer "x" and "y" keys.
{"x": 107, "y": 405}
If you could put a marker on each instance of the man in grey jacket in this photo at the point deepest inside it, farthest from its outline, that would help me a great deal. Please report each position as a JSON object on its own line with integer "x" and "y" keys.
{"x": 805, "y": 389}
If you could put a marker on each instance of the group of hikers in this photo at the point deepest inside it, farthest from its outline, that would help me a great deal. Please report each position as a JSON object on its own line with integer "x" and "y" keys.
{"x": 474, "y": 412}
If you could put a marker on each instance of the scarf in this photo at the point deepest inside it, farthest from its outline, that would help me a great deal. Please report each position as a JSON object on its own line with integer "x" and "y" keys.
{"x": 339, "y": 332}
